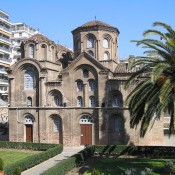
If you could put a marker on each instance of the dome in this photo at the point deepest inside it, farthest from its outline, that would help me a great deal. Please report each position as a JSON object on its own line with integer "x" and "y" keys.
{"x": 95, "y": 25}
{"x": 39, "y": 38}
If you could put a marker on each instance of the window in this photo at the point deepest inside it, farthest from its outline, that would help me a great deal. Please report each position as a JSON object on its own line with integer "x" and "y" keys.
{"x": 91, "y": 101}
{"x": 78, "y": 45}
{"x": 29, "y": 80}
{"x": 79, "y": 101}
{"x": 56, "y": 124}
{"x": 91, "y": 53}
{"x": 79, "y": 85}
{"x": 118, "y": 124}
{"x": 91, "y": 85}
{"x": 52, "y": 53}
{"x": 44, "y": 51}
{"x": 116, "y": 101}
{"x": 86, "y": 119}
{"x": 31, "y": 51}
{"x": 105, "y": 43}
{"x": 85, "y": 73}
{"x": 90, "y": 43}
{"x": 106, "y": 56}
{"x": 57, "y": 101}
{"x": 29, "y": 101}
{"x": 28, "y": 120}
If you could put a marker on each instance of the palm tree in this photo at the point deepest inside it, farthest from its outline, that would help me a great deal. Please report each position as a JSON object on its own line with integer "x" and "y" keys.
{"x": 154, "y": 92}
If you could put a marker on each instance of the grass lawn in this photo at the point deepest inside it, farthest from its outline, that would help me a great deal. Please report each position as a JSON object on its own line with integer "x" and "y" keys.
{"x": 11, "y": 156}
{"x": 117, "y": 166}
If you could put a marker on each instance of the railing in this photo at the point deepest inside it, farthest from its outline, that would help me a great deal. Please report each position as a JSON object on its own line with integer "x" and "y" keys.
{"x": 5, "y": 28}
{"x": 3, "y": 81}
{"x": 3, "y": 48}
{"x": 6, "y": 39}
{"x": 5, "y": 59}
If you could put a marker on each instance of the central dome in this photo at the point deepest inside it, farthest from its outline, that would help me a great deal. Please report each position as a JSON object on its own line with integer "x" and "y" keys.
{"x": 95, "y": 23}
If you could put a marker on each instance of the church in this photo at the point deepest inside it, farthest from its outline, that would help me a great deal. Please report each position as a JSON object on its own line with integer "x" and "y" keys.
{"x": 74, "y": 97}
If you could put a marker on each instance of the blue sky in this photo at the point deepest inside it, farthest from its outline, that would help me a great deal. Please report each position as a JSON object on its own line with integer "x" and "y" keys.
{"x": 56, "y": 18}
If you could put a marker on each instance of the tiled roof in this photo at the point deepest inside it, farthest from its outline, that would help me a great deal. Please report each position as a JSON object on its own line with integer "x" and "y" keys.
{"x": 39, "y": 38}
{"x": 123, "y": 68}
{"x": 95, "y": 23}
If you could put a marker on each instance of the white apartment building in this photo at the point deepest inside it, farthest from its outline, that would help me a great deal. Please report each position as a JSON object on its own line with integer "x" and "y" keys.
{"x": 20, "y": 31}
{"x": 5, "y": 43}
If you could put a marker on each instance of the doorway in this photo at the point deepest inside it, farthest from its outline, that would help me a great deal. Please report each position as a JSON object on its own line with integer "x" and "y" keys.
{"x": 29, "y": 133}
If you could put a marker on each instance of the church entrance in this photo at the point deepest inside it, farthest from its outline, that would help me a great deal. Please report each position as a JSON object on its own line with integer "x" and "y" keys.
{"x": 86, "y": 130}
{"x": 29, "y": 133}
{"x": 28, "y": 121}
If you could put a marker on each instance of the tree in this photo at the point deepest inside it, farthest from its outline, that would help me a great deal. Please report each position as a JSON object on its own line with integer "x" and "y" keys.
{"x": 154, "y": 92}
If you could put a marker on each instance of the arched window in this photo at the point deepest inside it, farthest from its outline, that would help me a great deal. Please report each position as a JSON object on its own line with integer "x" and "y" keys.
{"x": 57, "y": 101}
{"x": 92, "y": 85}
{"x": 28, "y": 120}
{"x": 44, "y": 51}
{"x": 79, "y": 85}
{"x": 106, "y": 56}
{"x": 31, "y": 50}
{"x": 85, "y": 73}
{"x": 90, "y": 43}
{"x": 78, "y": 44}
{"x": 29, "y": 80}
{"x": 91, "y": 53}
{"x": 118, "y": 124}
{"x": 105, "y": 43}
{"x": 79, "y": 101}
{"x": 56, "y": 124}
{"x": 52, "y": 53}
{"x": 29, "y": 101}
{"x": 86, "y": 119}
{"x": 116, "y": 101}
{"x": 92, "y": 101}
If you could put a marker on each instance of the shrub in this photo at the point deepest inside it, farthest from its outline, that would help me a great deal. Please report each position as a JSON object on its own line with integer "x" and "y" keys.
{"x": 95, "y": 172}
{"x": 17, "y": 171}
{"x": 1, "y": 165}
{"x": 50, "y": 150}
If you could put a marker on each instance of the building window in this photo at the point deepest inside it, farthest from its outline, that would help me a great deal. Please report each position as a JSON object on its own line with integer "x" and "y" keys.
{"x": 44, "y": 51}
{"x": 79, "y": 101}
{"x": 79, "y": 85}
{"x": 91, "y": 53}
{"x": 78, "y": 45}
{"x": 117, "y": 124}
{"x": 86, "y": 119}
{"x": 52, "y": 53}
{"x": 31, "y": 51}
{"x": 29, "y": 101}
{"x": 105, "y": 43}
{"x": 91, "y": 85}
{"x": 28, "y": 120}
{"x": 92, "y": 101}
{"x": 116, "y": 101}
{"x": 56, "y": 124}
{"x": 106, "y": 56}
{"x": 85, "y": 73}
{"x": 57, "y": 101}
{"x": 29, "y": 80}
{"x": 90, "y": 43}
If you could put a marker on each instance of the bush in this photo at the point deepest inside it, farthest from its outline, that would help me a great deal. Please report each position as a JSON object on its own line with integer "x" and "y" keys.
{"x": 50, "y": 150}
{"x": 66, "y": 165}
{"x": 1, "y": 165}
{"x": 96, "y": 172}
{"x": 17, "y": 171}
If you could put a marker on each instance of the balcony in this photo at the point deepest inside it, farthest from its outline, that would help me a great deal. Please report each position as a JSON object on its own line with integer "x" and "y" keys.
{"x": 5, "y": 39}
{"x": 5, "y": 50}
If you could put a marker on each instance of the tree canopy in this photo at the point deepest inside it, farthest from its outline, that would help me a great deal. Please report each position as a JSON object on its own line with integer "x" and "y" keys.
{"x": 154, "y": 93}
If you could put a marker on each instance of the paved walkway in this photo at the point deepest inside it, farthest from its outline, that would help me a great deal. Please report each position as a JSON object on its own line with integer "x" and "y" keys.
{"x": 38, "y": 169}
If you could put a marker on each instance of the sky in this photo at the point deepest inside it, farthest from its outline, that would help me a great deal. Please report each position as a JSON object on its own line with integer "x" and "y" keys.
{"x": 57, "y": 18}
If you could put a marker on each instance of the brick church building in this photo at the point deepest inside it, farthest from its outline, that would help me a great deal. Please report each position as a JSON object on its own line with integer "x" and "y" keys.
{"x": 74, "y": 98}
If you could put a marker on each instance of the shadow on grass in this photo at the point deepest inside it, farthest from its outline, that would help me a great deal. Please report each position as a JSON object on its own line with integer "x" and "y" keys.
{"x": 113, "y": 166}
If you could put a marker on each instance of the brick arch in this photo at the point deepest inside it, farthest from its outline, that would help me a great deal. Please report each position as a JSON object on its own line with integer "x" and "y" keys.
{"x": 55, "y": 126}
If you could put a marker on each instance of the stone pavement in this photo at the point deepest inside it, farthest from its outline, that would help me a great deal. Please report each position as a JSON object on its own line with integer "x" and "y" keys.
{"x": 38, "y": 169}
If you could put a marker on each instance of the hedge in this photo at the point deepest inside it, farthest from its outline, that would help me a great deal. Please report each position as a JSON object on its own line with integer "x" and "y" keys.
{"x": 50, "y": 150}
{"x": 144, "y": 151}
{"x": 66, "y": 165}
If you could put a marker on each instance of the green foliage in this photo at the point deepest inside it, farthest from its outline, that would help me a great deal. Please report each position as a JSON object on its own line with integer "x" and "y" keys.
{"x": 49, "y": 150}
{"x": 17, "y": 171}
{"x": 155, "y": 90}
{"x": 66, "y": 165}
{"x": 96, "y": 172}
{"x": 1, "y": 164}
